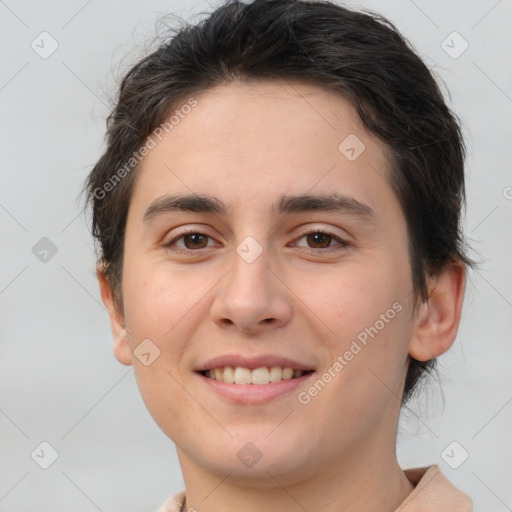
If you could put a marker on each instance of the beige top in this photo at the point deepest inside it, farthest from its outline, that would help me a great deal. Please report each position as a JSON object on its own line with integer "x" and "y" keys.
{"x": 433, "y": 492}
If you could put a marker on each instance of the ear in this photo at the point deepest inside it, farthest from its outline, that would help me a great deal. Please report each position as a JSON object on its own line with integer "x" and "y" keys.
{"x": 122, "y": 350}
{"x": 438, "y": 318}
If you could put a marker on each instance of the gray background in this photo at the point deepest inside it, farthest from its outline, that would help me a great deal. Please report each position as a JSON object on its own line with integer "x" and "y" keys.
{"x": 59, "y": 380}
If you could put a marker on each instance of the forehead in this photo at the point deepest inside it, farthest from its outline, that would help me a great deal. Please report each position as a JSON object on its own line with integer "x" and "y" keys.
{"x": 248, "y": 141}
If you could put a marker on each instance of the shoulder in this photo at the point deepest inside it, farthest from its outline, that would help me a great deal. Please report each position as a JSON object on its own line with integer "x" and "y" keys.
{"x": 433, "y": 492}
{"x": 173, "y": 503}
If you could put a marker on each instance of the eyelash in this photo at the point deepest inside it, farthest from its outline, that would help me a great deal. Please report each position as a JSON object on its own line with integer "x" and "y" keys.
{"x": 342, "y": 243}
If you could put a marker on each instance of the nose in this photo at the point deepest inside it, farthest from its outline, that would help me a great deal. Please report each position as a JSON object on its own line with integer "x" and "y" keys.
{"x": 252, "y": 298}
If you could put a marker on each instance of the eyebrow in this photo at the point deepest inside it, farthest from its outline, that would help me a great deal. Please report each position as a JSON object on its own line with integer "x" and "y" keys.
{"x": 289, "y": 204}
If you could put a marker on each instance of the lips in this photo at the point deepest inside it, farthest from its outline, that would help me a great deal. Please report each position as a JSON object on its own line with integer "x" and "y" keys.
{"x": 254, "y": 380}
{"x": 256, "y": 393}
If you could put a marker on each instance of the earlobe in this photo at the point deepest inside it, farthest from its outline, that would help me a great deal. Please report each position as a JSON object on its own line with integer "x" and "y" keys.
{"x": 122, "y": 350}
{"x": 438, "y": 318}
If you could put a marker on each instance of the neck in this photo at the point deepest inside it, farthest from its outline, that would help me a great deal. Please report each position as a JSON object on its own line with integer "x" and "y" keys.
{"x": 361, "y": 482}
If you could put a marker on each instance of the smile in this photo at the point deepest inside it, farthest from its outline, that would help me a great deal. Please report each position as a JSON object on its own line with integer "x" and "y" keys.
{"x": 258, "y": 376}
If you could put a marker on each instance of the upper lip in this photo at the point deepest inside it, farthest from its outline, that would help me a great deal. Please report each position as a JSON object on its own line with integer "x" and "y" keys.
{"x": 264, "y": 360}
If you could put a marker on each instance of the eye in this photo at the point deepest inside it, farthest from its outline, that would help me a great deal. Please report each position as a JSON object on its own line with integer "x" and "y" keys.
{"x": 322, "y": 240}
{"x": 192, "y": 240}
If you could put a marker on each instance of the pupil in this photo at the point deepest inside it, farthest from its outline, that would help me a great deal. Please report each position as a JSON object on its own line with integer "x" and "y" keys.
{"x": 195, "y": 238}
{"x": 317, "y": 236}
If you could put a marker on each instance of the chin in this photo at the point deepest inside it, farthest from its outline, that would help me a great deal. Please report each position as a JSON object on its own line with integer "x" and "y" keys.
{"x": 253, "y": 460}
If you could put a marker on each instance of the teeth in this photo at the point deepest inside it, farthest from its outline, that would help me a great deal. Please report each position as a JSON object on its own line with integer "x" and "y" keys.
{"x": 229, "y": 375}
{"x": 258, "y": 376}
{"x": 275, "y": 374}
{"x": 242, "y": 376}
{"x": 287, "y": 373}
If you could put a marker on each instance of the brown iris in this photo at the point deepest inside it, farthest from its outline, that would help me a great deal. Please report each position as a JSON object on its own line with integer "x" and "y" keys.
{"x": 196, "y": 238}
{"x": 316, "y": 238}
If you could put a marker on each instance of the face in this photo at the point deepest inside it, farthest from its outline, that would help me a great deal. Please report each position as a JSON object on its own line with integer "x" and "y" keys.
{"x": 261, "y": 277}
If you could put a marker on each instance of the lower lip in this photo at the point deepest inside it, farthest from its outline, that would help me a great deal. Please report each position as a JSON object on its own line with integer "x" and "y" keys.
{"x": 255, "y": 393}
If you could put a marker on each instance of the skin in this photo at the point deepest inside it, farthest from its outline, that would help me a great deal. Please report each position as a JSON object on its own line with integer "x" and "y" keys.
{"x": 246, "y": 144}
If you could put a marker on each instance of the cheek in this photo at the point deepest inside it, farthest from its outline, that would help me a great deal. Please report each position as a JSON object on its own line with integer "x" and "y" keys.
{"x": 368, "y": 329}
{"x": 348, "y": 299}
{"x": 160, "y": 305}
{"x": 157, "y": 299}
